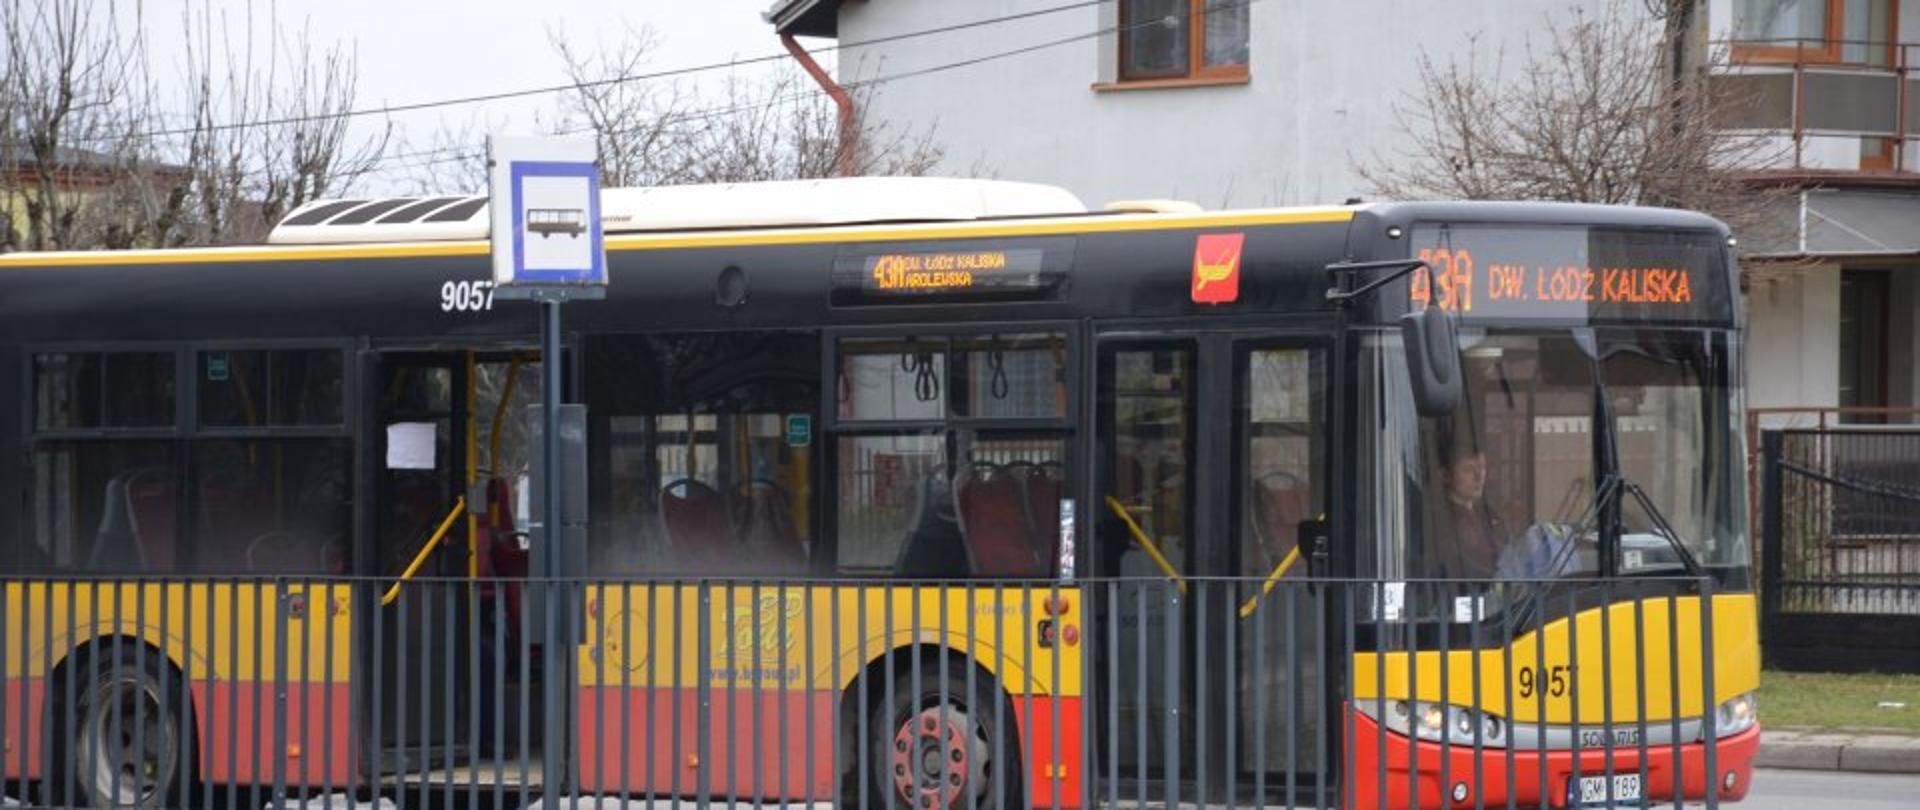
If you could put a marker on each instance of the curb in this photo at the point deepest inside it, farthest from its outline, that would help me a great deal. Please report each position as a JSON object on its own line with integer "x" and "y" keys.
{"x": 1858, "y": 753}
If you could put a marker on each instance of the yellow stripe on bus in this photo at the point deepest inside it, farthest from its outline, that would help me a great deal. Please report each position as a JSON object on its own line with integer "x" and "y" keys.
{"x": 1551, "y": 677}
{"x": 820, "y": 637}
{"x": 1059, "y": 226}
{"x": 230, "y": 629}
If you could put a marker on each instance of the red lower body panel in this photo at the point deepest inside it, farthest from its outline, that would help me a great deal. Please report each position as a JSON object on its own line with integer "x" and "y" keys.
{"x": 774, "y": 744}
{"x": 236, "y": 725}
{"x": 1667, "y": 776}
{"x": 20, "y": 759}
{"x": 1054, "y": 749}
{"x": 784, "y": 751}
{"x": 237, "y": 733}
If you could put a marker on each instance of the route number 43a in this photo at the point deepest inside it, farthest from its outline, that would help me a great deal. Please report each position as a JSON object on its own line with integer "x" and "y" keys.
{"x": 466, "y": 296}
{"x": 1553, "y": 680}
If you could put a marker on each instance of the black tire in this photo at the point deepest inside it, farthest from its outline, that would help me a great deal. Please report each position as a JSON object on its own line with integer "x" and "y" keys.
{"x": 127, "y": 733}
{"x": 919, "y": 744}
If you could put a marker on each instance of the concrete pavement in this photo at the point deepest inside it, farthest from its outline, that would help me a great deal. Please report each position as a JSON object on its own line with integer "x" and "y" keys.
{"x": 1830, "y": 790}
{"x": 1839, "y": 751}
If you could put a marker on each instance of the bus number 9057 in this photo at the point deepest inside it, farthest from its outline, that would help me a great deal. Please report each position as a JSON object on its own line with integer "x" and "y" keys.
{"x": 466, "y": 296}
{"x": 1554, "y": 681}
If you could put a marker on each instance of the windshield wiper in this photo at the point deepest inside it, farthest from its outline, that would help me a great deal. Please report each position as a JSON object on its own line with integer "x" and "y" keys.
{"x": 1661, "y": 525}
{"x": 1608, "y": 452}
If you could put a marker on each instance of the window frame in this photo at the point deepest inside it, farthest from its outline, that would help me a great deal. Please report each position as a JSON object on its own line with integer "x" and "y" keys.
{"x": 1197, "y": 71}
{"x": 831, "y": 423}
{"x": 349, "y": 391}
{"x": 184, "y": 436}
{"x": 1320, "y": 350}
{"x": 595, "y": 348}
{"x": 30, "y": 392}
{"x": 1067, "y": 426}
{"x": 1831, "y": 46}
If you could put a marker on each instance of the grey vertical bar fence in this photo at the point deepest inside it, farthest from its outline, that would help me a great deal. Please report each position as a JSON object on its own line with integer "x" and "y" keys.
{"x": 348, "y": 693}
{"x": 1840, "y": 548}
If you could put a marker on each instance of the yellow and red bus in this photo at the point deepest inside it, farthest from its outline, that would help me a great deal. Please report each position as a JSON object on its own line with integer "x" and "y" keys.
{"x": 892, "y": 493}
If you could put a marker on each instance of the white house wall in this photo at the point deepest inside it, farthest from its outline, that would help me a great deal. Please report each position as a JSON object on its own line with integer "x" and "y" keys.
{"x": 1793, "y": 330}
{"x": 1325, "y": 78}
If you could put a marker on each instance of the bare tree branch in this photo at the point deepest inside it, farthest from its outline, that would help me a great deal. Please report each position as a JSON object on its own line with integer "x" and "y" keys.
{"x": 1597, "y": 112}
{"x": 779, "y": 127}
{"x": 78, "y": 103}
{"x": 68, "y": 66}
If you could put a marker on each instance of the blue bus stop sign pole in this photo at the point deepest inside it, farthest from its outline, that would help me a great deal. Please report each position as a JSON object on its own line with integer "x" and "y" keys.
{"x": 548, "y": 247}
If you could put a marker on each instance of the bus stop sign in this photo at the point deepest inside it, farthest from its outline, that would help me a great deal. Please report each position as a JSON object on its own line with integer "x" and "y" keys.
{"x": 544, "y": 199}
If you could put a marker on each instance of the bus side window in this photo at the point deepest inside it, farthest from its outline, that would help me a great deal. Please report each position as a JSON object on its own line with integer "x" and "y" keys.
{"x": 932, "y": 478}
{"x": 709, "y": 452}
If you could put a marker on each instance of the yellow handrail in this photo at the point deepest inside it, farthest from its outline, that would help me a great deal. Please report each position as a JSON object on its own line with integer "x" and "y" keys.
{"x": 1140, "y": 536}
{"x": 1286, "y": 563}
{"x": 420, "y": 559}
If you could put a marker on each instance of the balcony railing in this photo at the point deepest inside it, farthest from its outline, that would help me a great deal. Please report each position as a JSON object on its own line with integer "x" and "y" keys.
{"x": 1838, "y": 104}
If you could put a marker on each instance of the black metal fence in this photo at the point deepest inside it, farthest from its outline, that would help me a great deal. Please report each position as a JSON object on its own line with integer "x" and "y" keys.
{"x": 338, "y": 693}
{"x": 1840, "y": 554}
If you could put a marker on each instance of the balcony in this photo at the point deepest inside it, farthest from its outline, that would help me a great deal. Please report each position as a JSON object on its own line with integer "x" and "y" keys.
{"x": 1831, "y": 107}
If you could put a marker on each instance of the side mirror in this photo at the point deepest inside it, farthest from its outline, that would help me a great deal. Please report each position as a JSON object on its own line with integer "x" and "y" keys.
{"x": 1433, "y": 360}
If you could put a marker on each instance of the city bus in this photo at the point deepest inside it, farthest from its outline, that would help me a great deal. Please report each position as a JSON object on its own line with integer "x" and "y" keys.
{"x": 888, "y": 492}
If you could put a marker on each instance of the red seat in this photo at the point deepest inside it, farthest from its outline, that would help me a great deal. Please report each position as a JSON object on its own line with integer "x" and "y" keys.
{"x": 993, "y": 523}
{"x": 695, "y": 519}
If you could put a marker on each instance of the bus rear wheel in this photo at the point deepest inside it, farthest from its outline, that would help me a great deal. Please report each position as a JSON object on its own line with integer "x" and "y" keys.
{"x": 934, "y": 748}
{"x": 127, "y": 750}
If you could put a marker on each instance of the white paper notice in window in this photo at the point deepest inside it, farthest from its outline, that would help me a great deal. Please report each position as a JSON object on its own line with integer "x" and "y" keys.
{"x": 410, "y": 446}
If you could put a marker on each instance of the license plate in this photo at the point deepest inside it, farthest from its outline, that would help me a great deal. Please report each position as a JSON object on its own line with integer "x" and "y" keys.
{"x": 1591, "y": 791}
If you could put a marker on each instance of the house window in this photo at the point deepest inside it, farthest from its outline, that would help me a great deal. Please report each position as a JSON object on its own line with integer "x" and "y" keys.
{"x": 1183, "y": 39}
{"x": 1822, "y": 31}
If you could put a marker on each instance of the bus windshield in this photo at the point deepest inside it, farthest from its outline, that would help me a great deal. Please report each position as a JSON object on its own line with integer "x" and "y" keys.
{"x": 1517, "y": 482}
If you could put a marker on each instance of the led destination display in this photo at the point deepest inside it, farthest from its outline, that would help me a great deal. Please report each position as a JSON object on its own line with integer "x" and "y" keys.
{"x": 1558, "y": 273}
{"x": 1018, "y": 268}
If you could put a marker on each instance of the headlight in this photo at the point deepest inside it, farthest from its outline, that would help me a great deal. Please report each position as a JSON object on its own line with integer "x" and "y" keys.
{"x": 1434, "y": 721}
{"x": 1737, "y": 714}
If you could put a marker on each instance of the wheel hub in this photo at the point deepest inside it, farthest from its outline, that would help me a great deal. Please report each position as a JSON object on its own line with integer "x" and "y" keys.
{"x": 126, "y": 745}
{"x": 939, "y": 759}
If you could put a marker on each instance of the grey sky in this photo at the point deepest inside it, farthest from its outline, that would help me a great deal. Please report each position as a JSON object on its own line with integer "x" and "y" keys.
{"x": 422, "y": 50}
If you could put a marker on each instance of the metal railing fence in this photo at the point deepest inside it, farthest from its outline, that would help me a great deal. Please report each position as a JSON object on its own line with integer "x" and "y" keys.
{"x": 1229, "y": 692}
{"x": 1840, "y": 547}
{"x": 1807, "y": 89}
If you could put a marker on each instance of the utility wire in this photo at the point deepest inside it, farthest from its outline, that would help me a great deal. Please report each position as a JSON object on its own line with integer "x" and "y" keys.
{"x": 624, "y": 79}
{"x": 456, "y": 154}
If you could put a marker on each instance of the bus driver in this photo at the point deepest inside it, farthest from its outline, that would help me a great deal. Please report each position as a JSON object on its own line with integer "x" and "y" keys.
{"x": 1470, "y": 539}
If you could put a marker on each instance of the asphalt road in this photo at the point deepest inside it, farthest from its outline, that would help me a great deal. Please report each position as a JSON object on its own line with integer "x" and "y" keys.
{"x": 1831, "y": 790}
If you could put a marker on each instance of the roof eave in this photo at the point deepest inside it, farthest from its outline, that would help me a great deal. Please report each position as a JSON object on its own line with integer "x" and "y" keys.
{"x": 805, "y": 18}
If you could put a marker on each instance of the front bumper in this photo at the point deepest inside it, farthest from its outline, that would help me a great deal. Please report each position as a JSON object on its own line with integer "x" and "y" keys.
{"x": 1530, "y": 776}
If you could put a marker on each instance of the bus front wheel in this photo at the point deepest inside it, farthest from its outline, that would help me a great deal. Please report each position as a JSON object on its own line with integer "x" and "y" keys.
{"x": 934, "y": 748}
{"x": 127, "y": 747}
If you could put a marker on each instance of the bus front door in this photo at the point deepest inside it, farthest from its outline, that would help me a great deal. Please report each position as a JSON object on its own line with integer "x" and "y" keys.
{"x": 1278, "y": 488}
{"x": 1210, "y": 649}
{"x": 449, "y": 439}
